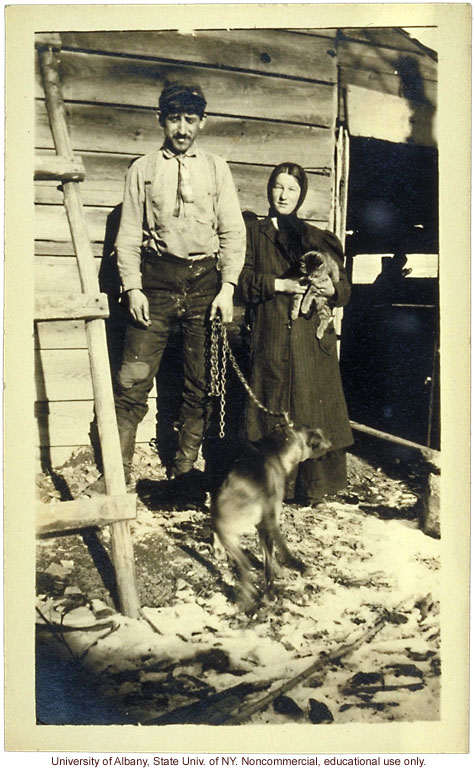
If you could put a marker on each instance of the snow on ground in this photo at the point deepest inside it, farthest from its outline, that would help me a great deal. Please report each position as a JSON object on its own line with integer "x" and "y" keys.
{"x": 367, "y": 562}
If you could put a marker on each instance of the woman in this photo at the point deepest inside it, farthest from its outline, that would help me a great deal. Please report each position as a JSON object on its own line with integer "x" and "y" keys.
{"x": 290, "y": 369}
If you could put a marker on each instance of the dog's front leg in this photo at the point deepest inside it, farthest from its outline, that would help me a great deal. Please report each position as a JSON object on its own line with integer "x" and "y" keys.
{"x": 266, "y": 541}
{"x": 230, "y": 546}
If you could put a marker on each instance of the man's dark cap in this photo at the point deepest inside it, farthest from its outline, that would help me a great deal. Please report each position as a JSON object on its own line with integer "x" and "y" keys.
{"x": 182, "y": 97}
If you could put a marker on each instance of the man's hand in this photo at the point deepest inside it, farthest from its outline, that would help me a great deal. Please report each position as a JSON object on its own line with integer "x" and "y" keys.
{"x": 138, "y": 307}
{"x": 223, "y": 302}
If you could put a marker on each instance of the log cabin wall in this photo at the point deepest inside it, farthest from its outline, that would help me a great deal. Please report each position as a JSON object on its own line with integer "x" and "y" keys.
{"x": 272, "y": 96}
{"x": 388, "y": 86}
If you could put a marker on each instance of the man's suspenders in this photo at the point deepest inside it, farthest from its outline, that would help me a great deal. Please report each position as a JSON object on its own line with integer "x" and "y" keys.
{"x": 150, "y": 169}
{"x": 148, "y": 182}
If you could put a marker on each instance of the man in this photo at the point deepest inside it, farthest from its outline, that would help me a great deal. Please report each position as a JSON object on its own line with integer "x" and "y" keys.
{"x": 180, "y": 250}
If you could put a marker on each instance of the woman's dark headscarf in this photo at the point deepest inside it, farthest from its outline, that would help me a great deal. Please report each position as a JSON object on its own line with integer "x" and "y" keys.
{"x": 290, "y": 227}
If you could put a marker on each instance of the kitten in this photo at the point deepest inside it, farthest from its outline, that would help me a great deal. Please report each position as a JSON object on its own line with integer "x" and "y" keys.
{"x": 313, "y": 266}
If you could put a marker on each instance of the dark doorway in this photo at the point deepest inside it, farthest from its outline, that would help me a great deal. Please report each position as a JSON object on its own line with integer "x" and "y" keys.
{"x": 389, "y": 346}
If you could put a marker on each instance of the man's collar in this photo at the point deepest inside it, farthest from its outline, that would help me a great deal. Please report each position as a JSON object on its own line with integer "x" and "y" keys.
{"x": 168, "y": 154}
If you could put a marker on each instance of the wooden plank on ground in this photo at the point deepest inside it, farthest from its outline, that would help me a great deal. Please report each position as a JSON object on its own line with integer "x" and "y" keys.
{"x": 269, "y": 51}
{"x": 64, "y": 305}
{"x": 137, "y": 82}
{"x": 134, "y": 132}
{"x": 98, "y": 511}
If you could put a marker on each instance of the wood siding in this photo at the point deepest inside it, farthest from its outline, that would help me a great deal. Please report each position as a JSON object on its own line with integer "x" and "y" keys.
{"x": 388, "y": 86}
{"x": 272, "y": 96}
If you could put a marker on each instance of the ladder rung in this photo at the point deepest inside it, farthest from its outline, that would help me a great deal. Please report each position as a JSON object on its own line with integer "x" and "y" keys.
{"x": 57, "y": 167}
{"x": 99, "y": 511}
{"x": 61, "y": 306}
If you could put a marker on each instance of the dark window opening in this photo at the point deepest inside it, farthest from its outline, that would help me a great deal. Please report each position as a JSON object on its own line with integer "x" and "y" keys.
{"x": 392, "y": 198}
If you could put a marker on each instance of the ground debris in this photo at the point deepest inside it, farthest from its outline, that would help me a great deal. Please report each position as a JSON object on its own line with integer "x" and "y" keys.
{"x": 319, "y": 712}
{"x": 208, "y": 659}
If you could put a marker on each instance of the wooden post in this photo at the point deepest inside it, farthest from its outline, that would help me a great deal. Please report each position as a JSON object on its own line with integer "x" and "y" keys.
{"x": 341, "y": 202}
{"x": 122, "y": 551}
{"x": 429, "y": 503}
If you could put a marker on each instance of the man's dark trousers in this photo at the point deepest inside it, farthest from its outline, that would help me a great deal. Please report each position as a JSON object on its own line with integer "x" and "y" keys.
{"x": 179, "y": 291}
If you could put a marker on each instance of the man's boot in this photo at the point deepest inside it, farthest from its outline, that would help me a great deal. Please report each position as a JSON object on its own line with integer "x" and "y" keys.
{"x": 187, "y": 482}
{"x": 189, "y": 442}
{"x": 127, "y": 434}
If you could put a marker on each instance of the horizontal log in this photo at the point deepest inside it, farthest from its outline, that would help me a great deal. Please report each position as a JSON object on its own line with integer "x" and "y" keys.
{"x": 98, "y": 511}
{"x": 68, "y": 423}
{"x": 63, "y": 375}
{"x": 62, "y": 305}
{"x": 389, "y": 83}
{"x": 59, "y": 168}
{"x": 47, "y": 39}
{"x": 116, "y": 80}
{"x": 250, "y": 181}
{"x": 60, "y": 335}
{"x": 55, "y": 457}
{"x": 62, "y": 248}
{"x": 52, "y": 274}
{"x": 93, "y": 193}
{"x": 269, "y": 51}
{"x": 51, "y": 223}
{"x": 432, "y": 455}
{"x": 134, "y": 132}
{"x": 381, "y": 116}
{"x": 384, "y": 37}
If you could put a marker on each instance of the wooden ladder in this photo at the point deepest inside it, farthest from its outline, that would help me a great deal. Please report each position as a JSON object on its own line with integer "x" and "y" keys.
{"x": 116, "y": 508}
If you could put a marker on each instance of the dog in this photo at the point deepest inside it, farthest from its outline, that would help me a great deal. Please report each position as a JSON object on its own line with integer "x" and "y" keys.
{"x": 312, "y": 267}
{"x": 251, "y": 495}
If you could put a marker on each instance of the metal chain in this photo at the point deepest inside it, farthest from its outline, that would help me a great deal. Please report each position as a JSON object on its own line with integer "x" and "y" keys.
{"x": 218, "y": 377}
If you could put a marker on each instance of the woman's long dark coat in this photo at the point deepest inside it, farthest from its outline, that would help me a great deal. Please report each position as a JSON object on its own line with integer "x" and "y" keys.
{"x": 291, "y": 370}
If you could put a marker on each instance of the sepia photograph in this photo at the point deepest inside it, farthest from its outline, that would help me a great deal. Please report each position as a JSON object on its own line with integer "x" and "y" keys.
{"x": 238, "y": 436}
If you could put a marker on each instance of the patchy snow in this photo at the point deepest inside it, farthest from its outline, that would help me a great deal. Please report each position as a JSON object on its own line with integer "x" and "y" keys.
{"x": 193, "y": 643}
